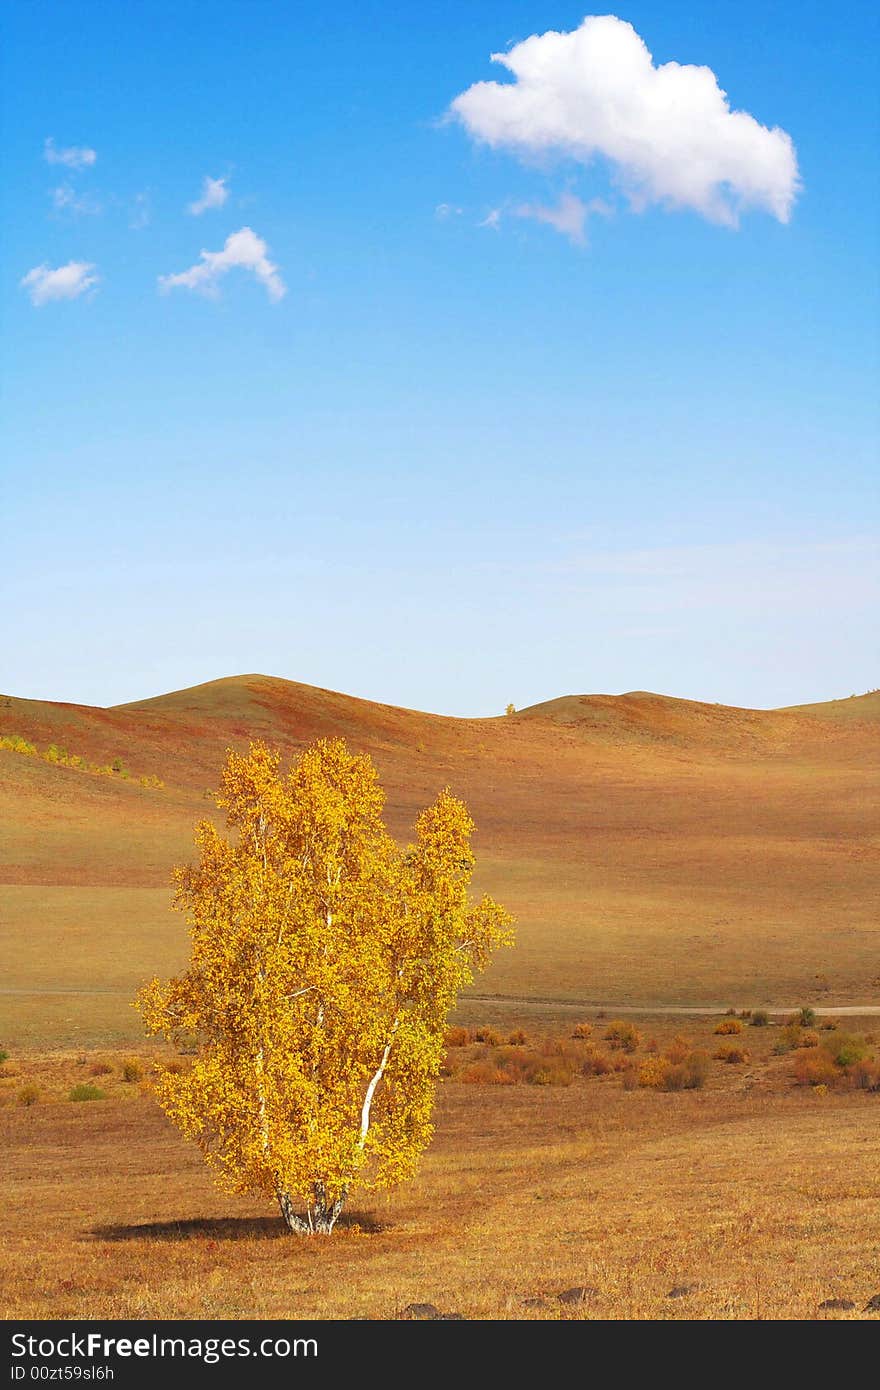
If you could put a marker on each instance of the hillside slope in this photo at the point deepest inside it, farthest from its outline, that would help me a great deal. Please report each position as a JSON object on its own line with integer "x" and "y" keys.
{"x": 653, "y": 849}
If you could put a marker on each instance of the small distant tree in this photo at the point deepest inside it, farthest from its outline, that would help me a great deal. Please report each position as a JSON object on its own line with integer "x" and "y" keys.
{"x": 325, "y": 961}
{"x": 510, "y": 709}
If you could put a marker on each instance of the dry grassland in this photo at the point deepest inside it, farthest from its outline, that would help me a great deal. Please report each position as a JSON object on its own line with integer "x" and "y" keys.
{"x": 757, "y": 1197}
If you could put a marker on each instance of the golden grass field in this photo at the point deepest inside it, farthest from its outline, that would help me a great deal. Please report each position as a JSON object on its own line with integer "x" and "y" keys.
{"x": 656, "y": 852}
{"x": 757, "y": 1196}
{"x": 653, "y": 850}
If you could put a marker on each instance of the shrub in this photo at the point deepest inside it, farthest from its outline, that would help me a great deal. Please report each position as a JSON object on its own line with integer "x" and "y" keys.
{"x": 866, "y": 1075}
{"x": 653, "y": 1073}
{"x": 596, "y": 1064}
{"x": 54, "y": 754}
{"x": 132, "y": 1070}
{"x": 623, "y": 1035}
{"x": 151, "y": 781}
{"x": 678, "y": 1049}
{"x": 517, "y": 1038}
{"x": 788, "y": 1038}
{"x": 828, "y": 1025}
{"x": 84, "y": 1091}
{"x": 582, "y": 1030}
{"x": 732, "y": 1052}
{"x": 629, "y": 1077}
{"x": 808, "y": 1038}
{"x": 485, "y": 1074}
{"x": 814, "y": 1069}
{"x": 557, "y": 1073}
{"x": 16, "y": 744}
{"x": 807, "y": 1018}
{"x": 457, "y": 1037}
{"x": 117, "y": 765}
{"x": 847, "y": 1050}
{"x": 759, "y": 1019}
{"x": 691, "y": 1074}
{"x": 745, "y": 1014}
{"x": 490, "y": 1036}
{"x": 660, "y": 1074}
{"x": 100, "y": 1069}
{"x": 29, "y": 1095}
{"x": 730, "y": 1013}
{"x": 4, "y": 1056}
{"x": 728, "y": 1027}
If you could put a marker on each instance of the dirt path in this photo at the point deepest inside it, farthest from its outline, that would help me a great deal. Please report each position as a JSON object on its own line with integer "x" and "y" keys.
{"x": 523, "y": 1002}
{"x": 592, "y": 1005}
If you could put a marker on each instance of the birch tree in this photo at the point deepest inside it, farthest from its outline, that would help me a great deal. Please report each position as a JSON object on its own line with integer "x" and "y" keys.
{"x": 325, "y": 961}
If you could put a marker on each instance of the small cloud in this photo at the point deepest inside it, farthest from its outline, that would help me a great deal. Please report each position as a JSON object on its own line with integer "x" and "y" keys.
{"x": 141, "y": 212}
{"x": 492, "y": 220}
{"x": 66, "y": 199}
{"x": 73, "y": 157}
{"x": 65, "y": 282}
{"x": 243, "y": 249}
{"x": 444, "y": 210}
{"x": 214, "y": 195}
{"x": 667, "y": 132}
{"x": 568, "y": 217}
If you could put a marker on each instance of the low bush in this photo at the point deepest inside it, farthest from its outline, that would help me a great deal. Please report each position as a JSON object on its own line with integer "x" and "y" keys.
{"x": 847, "y": 1050}
{"x": 659, "y": 1074}
{"x": 728, "y": 1027}
{"x": 152, "y": 782}
{"x": 732, "y": 1052}
{"x": 806, "y": 1018}
{"x": 517, "y": 1038}
{"x": 828, "y": 1025}
{"x": 808, "y": 1038}
{"x": 623, "y": 1035}
{"x": 16, "y": 744}
{"x": 551, "y": 1073}
{"x": 457, "y": 1037}
{"x": 814, "y": 1069}
{"x": 83, "y": 1091}
{"x": 485, "y": 1074}
{"x": 490, "y": 1036}
{"x": 132, "y": 1070}
{"x": 29, "y": 1095}
{"x": 788, "y": 1039}
{"x": 678, "y": 1049}
{"x": 4, "y": 1056}
{"x": 100, "y": 1069}
{"x": 865, "y": 1076}
{"x": 759, "y": 1019}
{"x": 582, "y": 1031}
{"x": 596, "y": 1064}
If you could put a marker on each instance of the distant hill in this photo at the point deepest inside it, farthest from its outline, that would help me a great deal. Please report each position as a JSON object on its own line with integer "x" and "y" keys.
{"x": 654, "y": 849}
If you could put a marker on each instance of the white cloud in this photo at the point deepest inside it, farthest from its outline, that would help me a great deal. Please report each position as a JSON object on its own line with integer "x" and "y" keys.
{"x": 492, "y": 220}
{"x": 65, "y": 282}
{"x": 444, "y": 210}
{"x": 214, "y": 195}
{"x": 66, "y": 199}
{"x": 74, "y": 157}
{"x": 568, "y": 217}
{"x": 242, "y": 249}
{"x": 668, "y": 131}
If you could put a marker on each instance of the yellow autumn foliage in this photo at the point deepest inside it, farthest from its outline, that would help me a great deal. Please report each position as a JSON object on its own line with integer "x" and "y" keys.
{"x": 325, "y": 961}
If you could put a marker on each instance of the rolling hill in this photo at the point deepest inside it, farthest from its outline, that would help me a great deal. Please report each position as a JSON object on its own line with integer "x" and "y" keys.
{"x": 653, "y": 849}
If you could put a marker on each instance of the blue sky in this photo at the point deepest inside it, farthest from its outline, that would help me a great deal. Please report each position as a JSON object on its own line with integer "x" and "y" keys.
{"x": 466, "y": 457}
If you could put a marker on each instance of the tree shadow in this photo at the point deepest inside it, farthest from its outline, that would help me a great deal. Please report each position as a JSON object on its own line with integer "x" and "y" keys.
{"x": 226, "y": 1228}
